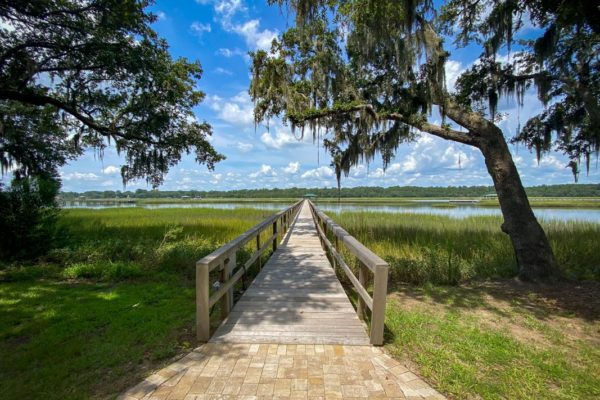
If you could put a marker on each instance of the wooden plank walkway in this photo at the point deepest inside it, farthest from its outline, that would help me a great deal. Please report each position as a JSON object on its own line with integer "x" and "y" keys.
{"x": 295, "y": 299}
{"x": 292, "y": 335}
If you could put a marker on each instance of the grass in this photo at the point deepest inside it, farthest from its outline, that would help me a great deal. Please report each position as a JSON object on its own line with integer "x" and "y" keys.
{"x": 497, "y": 342}
{"x": 114, "y": 302}
{"x": 63, "y": 340}
{"x": 445, "y": 250}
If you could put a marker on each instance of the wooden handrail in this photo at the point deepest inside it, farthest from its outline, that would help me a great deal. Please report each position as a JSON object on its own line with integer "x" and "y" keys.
{"x": 369, "y": 261}
{"x": 224, "y": 258}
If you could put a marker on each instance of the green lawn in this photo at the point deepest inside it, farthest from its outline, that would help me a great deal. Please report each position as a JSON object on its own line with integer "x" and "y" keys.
{"x": 495, "y": 341}
{"x": 61, "y": 340}
{"x": 115, "y": 301}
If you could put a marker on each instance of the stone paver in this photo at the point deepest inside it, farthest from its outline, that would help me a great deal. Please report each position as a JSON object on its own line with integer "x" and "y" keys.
{"x": 279, "y": 371}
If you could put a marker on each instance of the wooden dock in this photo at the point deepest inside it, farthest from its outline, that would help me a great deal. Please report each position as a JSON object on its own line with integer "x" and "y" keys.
{"x": 296, "y": 298}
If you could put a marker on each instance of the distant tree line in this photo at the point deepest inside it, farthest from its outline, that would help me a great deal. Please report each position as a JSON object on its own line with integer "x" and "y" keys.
{"x": 569, "y": 190}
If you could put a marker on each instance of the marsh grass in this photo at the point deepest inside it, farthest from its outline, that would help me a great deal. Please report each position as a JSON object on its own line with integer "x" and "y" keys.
{"x": 444, "y": 250}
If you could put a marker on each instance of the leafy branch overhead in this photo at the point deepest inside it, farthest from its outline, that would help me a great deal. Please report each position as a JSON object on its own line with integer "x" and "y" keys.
{"x": 350, "y": 66}
{"x": 99, "y": 75}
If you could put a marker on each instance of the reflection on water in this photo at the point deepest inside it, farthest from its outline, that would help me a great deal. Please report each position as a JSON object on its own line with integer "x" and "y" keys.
{"x": 461, "y": 211}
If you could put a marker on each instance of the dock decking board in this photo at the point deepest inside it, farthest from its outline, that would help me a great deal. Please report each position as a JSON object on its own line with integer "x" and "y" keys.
{"x": 295, "y": 299}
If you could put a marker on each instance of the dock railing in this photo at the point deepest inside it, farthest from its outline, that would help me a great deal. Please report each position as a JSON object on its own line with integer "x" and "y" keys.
{"x": 224, "y": 261}
{"x": 369, "y": 262}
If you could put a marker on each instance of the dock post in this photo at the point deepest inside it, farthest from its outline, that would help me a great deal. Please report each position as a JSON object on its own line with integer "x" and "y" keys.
{"x": 202, "y": 303}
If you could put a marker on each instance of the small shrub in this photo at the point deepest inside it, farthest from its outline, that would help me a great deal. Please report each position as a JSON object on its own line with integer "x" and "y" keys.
{"x": 28, "y": 217}
{"x": 180, "y": 256}
{"x": 103, "y": 271}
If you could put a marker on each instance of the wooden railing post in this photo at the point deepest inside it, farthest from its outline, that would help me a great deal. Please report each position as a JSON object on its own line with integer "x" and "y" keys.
{"x": 379, "y": 296}
{"x": 363, "y": 277}
{"x": 257, "y": 249}
{"x": 276, "y": 236}
{"x": 227, "y": 299}
{"x": 336, "y": 244}
{"x": 202, "y": 303}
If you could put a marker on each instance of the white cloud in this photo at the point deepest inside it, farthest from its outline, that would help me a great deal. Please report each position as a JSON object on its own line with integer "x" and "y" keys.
{"x": 244, "y": 147}
{"x": 394, "y": 167}
{"x": 548, "y": 161}
{"x": 453, "y": 71}
{"x": 254, "y": 37}
{"x": 409, "y": 163}
{"x": 79, "y": 176}
{"x": 265, "y": 170}
{"x": 161, "y": 15}
{"x": 454, "y": 158}
{"x": 378, "y": 173}
{"x": 199, "y": 28}
{"x": 237, "y": 110}
{"x": 223, "y": 71}
{"x": 225, "y": 52}
{"x": 111, "y": 170}
{"x": 279, "y": 140}
{"x": 318, "y": 173}
{"x": 292, "y": 168}
{"x": 228, "y": 8}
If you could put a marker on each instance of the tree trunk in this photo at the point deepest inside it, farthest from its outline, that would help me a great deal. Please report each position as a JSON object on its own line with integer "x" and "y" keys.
{"x": 534, "y": 254}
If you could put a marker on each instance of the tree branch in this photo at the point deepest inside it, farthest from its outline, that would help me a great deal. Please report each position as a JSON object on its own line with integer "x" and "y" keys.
{"x": 436, "y": 130}
{"x": 40, "y": 100}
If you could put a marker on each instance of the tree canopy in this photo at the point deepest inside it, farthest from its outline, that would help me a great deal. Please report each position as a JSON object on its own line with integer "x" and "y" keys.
{"x": 371, "y": 71}
{"x": 562, "y": 62}
{"x": 76, "y": 75}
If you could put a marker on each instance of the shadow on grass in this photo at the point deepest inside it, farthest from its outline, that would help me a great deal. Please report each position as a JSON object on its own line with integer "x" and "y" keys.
{"x": 569, "y": 299}
{"x": 61, "y": 341}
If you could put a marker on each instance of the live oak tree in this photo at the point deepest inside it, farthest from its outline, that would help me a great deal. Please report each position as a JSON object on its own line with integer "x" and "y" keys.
{"x": 77, "y": 75}
{"x": 369, "y": 73}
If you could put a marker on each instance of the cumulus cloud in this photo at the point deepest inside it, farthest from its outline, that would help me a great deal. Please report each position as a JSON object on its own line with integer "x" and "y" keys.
{"x": 79, "y": 176}
{"x": 548, "y": 161}
{"x": 292, "y": 168}
{"x": 394, "y": 167}
{"x": 255, "y": 37}
{"x": 265, "y": 170}
{"x": 237, "y": 110}
{"x": 453, "y": 70}
{"x": 111, "y": 170}
{"x": 378, "y": 173}
{"x": 226, "y": 9}
{"x": 244, "y": 147}
{"x": 280, "y": 139}
{"x": 225, "y": 52}
{"x": 318, "y": 173}
{"x": 161, "y": 15}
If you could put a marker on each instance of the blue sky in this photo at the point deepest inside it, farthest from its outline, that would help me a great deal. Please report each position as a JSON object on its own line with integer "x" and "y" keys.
{"x": 219, "y": 33}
